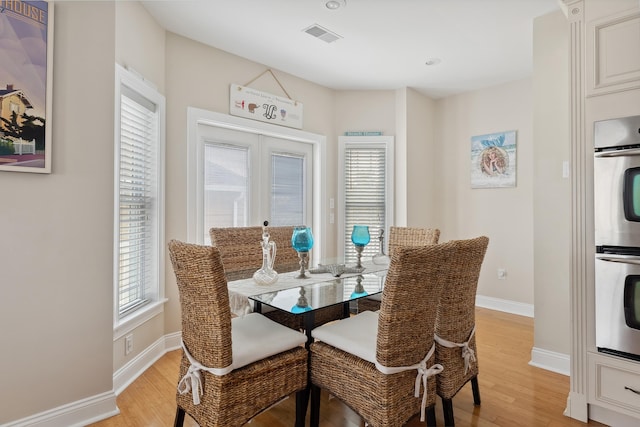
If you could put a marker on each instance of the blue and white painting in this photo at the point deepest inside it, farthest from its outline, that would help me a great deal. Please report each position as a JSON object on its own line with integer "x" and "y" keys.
{"x": 493, "y": 160}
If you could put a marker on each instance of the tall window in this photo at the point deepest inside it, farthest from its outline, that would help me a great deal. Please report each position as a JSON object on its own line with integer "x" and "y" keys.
{"x": 139, "y": 198}
{"x": 366, "y": 189}
{"x": 243, "y": 172}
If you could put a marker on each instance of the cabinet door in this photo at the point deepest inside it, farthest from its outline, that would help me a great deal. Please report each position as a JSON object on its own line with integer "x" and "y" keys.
{"x": 614, "y": 384}
{"x": 613, "y": 53}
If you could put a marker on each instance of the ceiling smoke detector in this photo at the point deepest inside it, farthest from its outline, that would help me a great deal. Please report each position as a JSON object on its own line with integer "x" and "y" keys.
{"x": 335, "y": 4}
{"x": 322, "y": 33}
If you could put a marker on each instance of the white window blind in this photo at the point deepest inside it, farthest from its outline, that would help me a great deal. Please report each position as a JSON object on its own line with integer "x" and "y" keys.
{"x": 139, "y": 154}
{"x": 364, "y": 195}
{"x": 226, "y": 186}
{"x": 287, "y": 189}
{"x": 365, "y": 190}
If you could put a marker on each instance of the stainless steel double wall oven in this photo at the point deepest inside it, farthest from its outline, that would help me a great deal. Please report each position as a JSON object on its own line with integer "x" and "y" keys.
{"x": 617, "y": 236}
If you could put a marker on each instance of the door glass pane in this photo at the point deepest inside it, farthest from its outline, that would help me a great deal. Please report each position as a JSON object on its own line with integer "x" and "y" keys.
{"x": 226, "y": 187}
{"x": 287, "y": 190}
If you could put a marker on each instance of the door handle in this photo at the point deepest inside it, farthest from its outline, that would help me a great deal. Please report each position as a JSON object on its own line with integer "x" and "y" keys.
{"x": 619, "y": 153}
{"x": 622, "y": 259}
{"x": 631, "y": 390}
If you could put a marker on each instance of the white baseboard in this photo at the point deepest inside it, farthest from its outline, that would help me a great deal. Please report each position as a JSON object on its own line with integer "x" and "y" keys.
{"x": 540, "y": 358}
{"x": 75, "y": 414}
{"x": 507, "y": 306}
{"x": 550, "y": 360}
{"x": 577, "y": 407}
{"x": 124, "y": 376}
{"x": 102, "y": 406}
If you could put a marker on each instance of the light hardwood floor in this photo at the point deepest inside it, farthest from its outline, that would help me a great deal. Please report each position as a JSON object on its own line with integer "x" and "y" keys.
{"x": 513, "y": 393}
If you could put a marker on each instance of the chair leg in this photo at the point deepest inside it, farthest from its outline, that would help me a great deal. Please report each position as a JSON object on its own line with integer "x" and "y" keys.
{"x": 179, "y": 421}
{"x": 314, "y": 420}
{"x": 447, "y": 408}
{"x": 476, "y": 390}
{"x": 431, "y": 416}
{"x": 302, "y": 401}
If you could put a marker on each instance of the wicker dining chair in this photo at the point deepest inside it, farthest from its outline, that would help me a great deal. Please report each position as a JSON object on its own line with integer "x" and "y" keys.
{"x": 231, "y": 369}
{"x": 241, "y": 255}
{"x": 401, "y": 236}
{"x": 455, "y": 325}
{"x": 369, "y": 360}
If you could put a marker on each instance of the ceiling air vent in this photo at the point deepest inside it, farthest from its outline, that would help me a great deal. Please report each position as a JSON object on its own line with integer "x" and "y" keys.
{"x": 322, "y": 33}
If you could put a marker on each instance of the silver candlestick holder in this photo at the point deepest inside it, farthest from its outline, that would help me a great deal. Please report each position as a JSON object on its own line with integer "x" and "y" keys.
{"x": 359, "y": 249}
{"x": 304, "y": 262}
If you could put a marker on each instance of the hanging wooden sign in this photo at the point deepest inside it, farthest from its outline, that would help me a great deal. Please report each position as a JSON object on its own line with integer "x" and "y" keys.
{"x": 265, "y": 107}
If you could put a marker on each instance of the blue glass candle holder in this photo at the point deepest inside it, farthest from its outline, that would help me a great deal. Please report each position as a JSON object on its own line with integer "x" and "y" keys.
{"x": 360, "y": 237}
{"x": 302, "y": 242}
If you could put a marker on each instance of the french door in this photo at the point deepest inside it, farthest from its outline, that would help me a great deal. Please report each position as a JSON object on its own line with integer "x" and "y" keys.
{"x": 246, "y": 177}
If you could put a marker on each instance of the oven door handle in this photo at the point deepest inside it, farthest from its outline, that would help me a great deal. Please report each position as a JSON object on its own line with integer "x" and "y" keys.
{"x": 618, "y": 153}
{"x": 626, "y": 259}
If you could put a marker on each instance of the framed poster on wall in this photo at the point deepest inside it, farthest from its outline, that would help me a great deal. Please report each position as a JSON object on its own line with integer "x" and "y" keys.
{"x": 493, "y": 160}
{"x": 26, "y": 83}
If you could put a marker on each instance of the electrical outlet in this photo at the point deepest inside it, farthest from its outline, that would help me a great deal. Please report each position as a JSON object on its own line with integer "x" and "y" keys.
{"x": 128, "y": 344}
{"x": 502, "y": 273}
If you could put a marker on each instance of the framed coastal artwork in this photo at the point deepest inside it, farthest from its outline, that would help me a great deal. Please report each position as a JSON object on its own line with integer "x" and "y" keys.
{"x": 26, "y": 63}
{"x": 493, "y": 160}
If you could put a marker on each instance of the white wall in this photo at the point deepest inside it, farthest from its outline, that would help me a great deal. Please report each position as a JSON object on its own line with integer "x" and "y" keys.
{"x": 56, "y": 293}
{"x": 505, "y": 215}
{"x": 552, "y": 192}
{"x": 422, "y": 171}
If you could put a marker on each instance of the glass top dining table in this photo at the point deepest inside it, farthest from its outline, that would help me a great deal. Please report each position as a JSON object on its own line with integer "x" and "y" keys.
{"x": 298, "y": 296}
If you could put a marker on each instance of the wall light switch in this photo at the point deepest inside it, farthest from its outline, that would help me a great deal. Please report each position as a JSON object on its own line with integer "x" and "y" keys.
{"x": 565, "y": 169}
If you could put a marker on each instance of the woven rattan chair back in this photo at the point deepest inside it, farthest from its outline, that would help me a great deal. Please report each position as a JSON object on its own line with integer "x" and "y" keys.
{"x": 286, "y": 257}
{"x": 241, "y": 252}
{"x": 239, "y": 248}
{"x": 412, "y": 236}
{"x": 402, "y": 236}
{"x": 204, "y": 300}
{"x": 456, "y": 320}
{"x": 409, "y": 299}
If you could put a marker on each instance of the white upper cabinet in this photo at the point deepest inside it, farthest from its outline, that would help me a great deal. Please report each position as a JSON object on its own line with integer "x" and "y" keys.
{"x": 613, "y": 53}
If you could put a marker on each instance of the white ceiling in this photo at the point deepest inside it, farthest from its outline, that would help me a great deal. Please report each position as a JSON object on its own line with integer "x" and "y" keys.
{"x": 384, "y": 44}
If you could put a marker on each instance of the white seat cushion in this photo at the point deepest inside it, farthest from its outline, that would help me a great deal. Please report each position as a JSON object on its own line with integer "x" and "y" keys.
{"x": 255, "y": 337}
{"x": 356, "y": 335}
{"x": 377, "y": 297}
